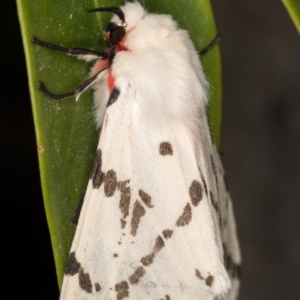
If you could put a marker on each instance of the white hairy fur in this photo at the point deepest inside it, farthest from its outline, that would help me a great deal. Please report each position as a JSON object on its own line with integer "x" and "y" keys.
{"x": 161, "y": 176}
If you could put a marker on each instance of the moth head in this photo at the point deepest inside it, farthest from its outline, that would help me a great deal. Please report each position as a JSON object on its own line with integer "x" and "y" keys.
{"x": 115, "y": 31}
{"x": 125, "y": 18}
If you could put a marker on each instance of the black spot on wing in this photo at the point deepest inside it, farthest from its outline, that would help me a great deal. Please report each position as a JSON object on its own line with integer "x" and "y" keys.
{"x": 167, "y": 233}
{"x": 110, "y": 183}
{"x": 148, "y": 260}
{"x": 165, "y": 148}
{"x": 138, "y": 273}
{"x": 195, "y": 191}
{"x": 145, "y": 198}
{"x": 122, "y": 290}
{"x": 137, "y": 213}
{"x": 97, "y": 175}
{"x": 113, "y": 96}
{"x": 85, "y": 281}
{"x": 123, "y": 223}
{"x": 124, "y": 199}
{"x": 97, "y": 287}
{"x": 198, "y": 275}
{"x": 73, "y": 266}
{"x": 208, "y": 280}
{"x": 159, "y": 244}
{"x": 186, "y": 216}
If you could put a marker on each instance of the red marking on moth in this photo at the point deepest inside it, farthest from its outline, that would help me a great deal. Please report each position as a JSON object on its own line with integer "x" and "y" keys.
{"x": 121, "y": 45}
{"x": 100, "y": 65}
{"x": 110, "y": 80}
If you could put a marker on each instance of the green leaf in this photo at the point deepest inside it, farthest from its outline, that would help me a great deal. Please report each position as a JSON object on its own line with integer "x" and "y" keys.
{"x": 293, "y": 7}
{"x": 65, "y": 130}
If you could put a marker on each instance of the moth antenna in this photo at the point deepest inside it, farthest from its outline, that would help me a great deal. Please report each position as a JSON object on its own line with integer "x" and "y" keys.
{"x": 115, "y": 10}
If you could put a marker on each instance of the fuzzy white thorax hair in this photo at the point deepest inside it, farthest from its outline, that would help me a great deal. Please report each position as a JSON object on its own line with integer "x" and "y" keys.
{"x": 163, "y": 69}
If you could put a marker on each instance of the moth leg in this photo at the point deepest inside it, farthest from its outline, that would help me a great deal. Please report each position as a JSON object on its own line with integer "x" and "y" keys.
{"x": 79, "y": 52}
{"x": 210, "y": 45}
{"x": 76, "y": 92}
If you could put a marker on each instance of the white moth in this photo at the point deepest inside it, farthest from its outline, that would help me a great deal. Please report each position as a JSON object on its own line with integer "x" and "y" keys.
{"x": 157, "y": 220}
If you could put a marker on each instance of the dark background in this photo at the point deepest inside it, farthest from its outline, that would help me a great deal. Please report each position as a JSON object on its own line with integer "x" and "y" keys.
{"x": 261, "y": 142}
